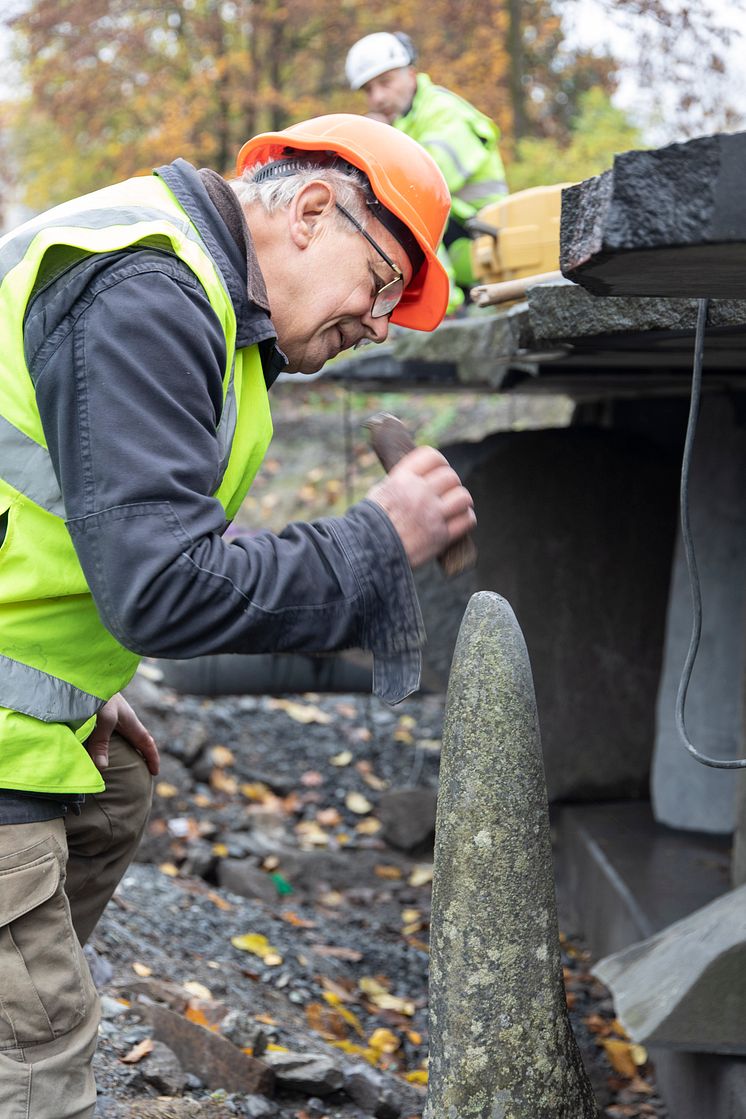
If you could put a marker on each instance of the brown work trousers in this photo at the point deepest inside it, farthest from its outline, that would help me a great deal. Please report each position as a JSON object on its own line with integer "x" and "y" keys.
{"x": 55, "y": 880}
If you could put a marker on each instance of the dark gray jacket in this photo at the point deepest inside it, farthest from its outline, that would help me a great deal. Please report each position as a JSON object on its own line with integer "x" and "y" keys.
{"x": 127, "y": 357}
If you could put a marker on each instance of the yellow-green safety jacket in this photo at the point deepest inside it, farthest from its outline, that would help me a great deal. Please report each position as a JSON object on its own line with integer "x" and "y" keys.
{"x": 462, "y": 141}
{"x": 58, "y": 663}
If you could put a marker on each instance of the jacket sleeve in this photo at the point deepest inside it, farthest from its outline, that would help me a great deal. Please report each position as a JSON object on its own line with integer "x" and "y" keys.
{"x": 129, "y": 385}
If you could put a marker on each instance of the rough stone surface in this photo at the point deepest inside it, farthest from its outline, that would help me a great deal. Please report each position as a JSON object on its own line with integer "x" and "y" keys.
{"x": 245, "y": 878}
{"x": 314, "y": 1073}
{"x": 217, "y": 1062}
{"x": 661, "y": 222}
{"x": 685, "y": 988}
{"x": 162, "y": 1068}
{"x": 408, "y": 817}
{"x": 575, "y": 528}
{"x": 686, "y": 794}
{"x": 367, "y": 1088}
{"x": 501, "y": 1042}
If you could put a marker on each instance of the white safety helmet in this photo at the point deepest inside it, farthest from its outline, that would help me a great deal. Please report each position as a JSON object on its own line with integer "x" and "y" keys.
{"x": 375, "y": 54}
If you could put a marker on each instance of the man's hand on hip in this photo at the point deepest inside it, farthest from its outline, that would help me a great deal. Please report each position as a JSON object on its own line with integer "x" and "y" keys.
{"x": 117, "y": 716}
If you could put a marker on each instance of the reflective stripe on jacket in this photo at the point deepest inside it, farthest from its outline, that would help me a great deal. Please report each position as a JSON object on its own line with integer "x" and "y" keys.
{"x": 58, "y": 663}
{"x": 462, "y": 141}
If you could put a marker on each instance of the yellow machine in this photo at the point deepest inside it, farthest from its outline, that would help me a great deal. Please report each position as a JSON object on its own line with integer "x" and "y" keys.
{"x": 525, "y": 241}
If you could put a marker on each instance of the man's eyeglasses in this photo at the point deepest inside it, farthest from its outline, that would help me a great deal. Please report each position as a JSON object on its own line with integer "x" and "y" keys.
{"x": 387, "y": 297}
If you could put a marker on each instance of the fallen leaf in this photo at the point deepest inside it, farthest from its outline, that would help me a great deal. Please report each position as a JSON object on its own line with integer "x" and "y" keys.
{"x": 197, "y": 989}
{"x": 620, "y": 1057}
{"x": 341, "y": 759}
{"x": 421, "y": 875}
{"x": 221, "y": 756}
{"x": 257, "y": 945}
{"x": 312, "y": 779}
{"x": 338, "y": 952}
{"x": 385, "y": 1041}
{"x": 138, "y": 1052}
{"x": 369, "y": 826}
{"x": 417, "y": 1076}
{"x": 385, "y": 870}
{"x": 165, "y": 790}
{"x": 169, "y": 870}
{"x": 223, "y": 783}
{"x": 219, "y": 902}
{"x": 297, "y": 922}
{"x": 142, "y": 970}
{"x": 328, "y": 817}
{"x": 301, "y": 713}
{"x": 358, "y": 804}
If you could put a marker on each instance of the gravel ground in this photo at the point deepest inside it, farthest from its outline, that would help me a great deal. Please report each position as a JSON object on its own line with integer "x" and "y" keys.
{"x": 306, "y": 820}
{"x": 302, "y": 824}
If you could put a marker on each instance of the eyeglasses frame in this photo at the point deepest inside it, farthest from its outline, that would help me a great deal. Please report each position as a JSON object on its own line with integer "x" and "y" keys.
{"x": 398, "y": 278}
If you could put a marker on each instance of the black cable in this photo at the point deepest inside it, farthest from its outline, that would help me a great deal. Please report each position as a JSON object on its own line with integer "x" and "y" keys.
{"x": 691, "y": 562}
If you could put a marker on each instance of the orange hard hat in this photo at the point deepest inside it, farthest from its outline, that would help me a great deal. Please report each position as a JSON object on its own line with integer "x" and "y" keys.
{"x": 403, "y": 177}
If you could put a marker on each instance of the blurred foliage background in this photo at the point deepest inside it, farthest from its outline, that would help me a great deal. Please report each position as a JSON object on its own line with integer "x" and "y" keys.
{"x": 103, "y": 89}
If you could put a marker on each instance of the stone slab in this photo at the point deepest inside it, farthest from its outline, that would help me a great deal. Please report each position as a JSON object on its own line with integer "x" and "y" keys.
{"x": 664, "y": 222}
{"x": 621, "y": 878}
{"x": 685, "y": 987}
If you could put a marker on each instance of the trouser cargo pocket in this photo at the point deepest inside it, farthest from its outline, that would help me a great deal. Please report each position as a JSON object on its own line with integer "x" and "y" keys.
{"x": 44, "y": 992}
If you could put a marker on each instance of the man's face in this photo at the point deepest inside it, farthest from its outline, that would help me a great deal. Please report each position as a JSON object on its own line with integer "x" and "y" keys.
{"x": 391, "y": 93}
{"x": 327, "y": 309}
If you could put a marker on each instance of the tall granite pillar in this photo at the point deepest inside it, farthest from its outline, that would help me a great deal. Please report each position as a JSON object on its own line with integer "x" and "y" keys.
{"x": 686, "y": 794}
{"x": 501, "y": 1042}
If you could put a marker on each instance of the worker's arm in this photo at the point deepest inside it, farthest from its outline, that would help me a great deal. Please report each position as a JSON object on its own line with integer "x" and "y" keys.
{"x": 129, "y": 384}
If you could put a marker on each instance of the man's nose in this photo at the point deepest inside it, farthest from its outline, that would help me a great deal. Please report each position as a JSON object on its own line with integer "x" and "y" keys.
{"x": 377, "y": 330}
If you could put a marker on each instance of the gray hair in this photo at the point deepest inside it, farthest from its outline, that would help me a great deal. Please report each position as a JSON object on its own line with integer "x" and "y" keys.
{"x": 351, "y": 188}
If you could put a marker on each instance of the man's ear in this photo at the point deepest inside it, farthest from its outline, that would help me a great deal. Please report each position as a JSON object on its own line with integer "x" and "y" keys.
{"x": 311, "y": 206}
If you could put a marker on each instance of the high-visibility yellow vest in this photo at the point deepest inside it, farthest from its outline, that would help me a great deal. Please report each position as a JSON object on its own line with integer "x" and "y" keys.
{"x": 58, "y": 663}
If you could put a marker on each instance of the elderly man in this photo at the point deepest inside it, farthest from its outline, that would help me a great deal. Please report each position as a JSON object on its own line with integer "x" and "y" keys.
{"x": 142, "y": 327}
{"x": 461, "y": 139}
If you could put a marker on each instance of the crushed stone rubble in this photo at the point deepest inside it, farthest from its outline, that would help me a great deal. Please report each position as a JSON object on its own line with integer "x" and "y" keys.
{"x": 266, "y": 955}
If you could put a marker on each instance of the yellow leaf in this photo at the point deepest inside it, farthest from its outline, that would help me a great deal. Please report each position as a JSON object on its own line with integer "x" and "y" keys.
{"x": 385, "y": 870}
{"x": 421, "y": 875}
{"x": 341, "y": 759}
{"x": 273, "y": 1048}
{"x": 223, "y": 782}
{"x": 255, "y": 790}
{"x": 393, "y": 1002}
{"x": 403, "y": 735}
{"x": 221, "y": 756}
{"x": 619, "y": 1055}
{"x": 357, "y": 803}
{"x": 257, "y": 945}
{"x": 369, "y": 826}
{"x": 142, "y": 969}
{"x": 300, "y": 712}
{"x": 368, "y": 1054}
{"x": 169, "y": 869}
{"x": 417, "y": 1076}
{"x": 385, "y": 1041}
{"x": 408, "y": 915}
{"x": 165, "y": 790}
{"x": 220, "y": 850}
